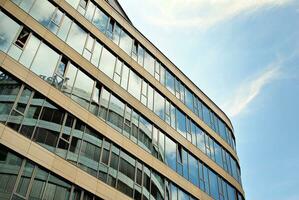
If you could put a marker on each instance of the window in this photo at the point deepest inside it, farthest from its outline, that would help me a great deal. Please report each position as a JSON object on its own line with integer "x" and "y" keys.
{"x": 218, "y": 154}
{"x": 134, "y": 87}
{"x": 140, "y": 55}
{"x": 76, "y": 38}
{"x": 181, "y": 123}
{"x": 107, "y": 63}
{"x": 170, "y": 82}
{"x": 145, "y": 134}
{"x": 170, "y": 153}
{"x": 42, "y": 11}
{"x": 8, "y": 31}
{"x": 189, "y": 99}
{"x": 88, "y": 49}
{"x": 135, "y": 50}
{"x": 193, "y": 170}
{"x": 56, "y": 21}
{"x": 45, "y": 62}
{"x": 82, "y": 89}
{"x": 22, "y": 38}
{"x": 149, "y": 63}
{"x": 126, "y": 42}
{"x": 213, "y": 185}
{"x": 82, "y": 6}
{"x": 100, "y": 20}
{"x": 116, "y": 113}
{"x": 159, "y": 105}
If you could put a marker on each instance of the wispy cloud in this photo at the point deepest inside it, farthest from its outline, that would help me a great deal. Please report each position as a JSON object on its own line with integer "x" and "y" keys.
{"x": 249, "y": 90}
{"x": 203, "y": 14}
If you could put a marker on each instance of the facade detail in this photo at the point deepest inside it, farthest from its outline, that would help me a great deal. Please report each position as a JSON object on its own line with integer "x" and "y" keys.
{"x": 91, "y": 110}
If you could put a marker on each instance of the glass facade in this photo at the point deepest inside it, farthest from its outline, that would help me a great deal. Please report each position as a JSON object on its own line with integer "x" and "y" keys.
{"x": 155, "y": 68}
{"x": 37, "y": 118}
{"x": 22, "y": 179}
{"x": 63, "y": 134}
{"x": 76, "y": 37}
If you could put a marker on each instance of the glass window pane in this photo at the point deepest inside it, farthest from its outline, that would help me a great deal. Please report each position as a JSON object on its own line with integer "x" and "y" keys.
{"x": 107, "y": 62}
{"x": 145, "y": 134}
{"x": 193, "y": 170}
{"x": 8, "y": 31}
{"x": 134, "y": 85}
{"x": 170, "y": 82}
{"x": 116, "y": 113}
{"x": 170, "y": 153}
{"x": 149, "y": 63}
{"x": 64, "y": 28}
{"x": 100, "y": 20}
{"x": 45, "y": 62}
{"x": 126, "y": 42}
{"x": 104, "y": 101}
{"x": 159, "y": 105}
{"x": 29, "y": 51}
{"x": 76, "y": 38}
{"x": 181, "y": 122}
{"x": 82, "y": 89}
{"x": 42, "y": 11}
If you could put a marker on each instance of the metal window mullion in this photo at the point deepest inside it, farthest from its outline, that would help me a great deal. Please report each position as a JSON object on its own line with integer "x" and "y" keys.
{"x": 18, "y": 178}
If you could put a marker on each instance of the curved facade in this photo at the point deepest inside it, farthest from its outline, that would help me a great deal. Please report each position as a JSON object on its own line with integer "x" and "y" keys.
{"x": 90, "y": 109}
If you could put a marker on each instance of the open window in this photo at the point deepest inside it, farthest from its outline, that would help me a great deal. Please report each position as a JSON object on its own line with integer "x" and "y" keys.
{"x": 22, "y": 38}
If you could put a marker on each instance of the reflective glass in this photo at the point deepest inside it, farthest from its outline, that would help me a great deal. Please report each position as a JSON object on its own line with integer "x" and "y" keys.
{"x": 134, "y": 87}
{"x": 42, "y": 11}
{"x": 218, "y": 154}
{"x": 73, "y": 3}
{"x": 100, "y": 20}
{"x": 9, "y": 168}
{"x": 76, "y": 38}
{"x": 193, "y": 170}
{"x": 69, "y": 79}
{"x": 8, "y": 31}
{"x": 170, "y": 153}
{"x": 126, "y": 42}
{"x": 159, "y": 105}
{"x": 29, "y": 51}
{"x": 64, "y": 28}
{"x": 170, "y": 82}
{"x": 107, "y": 62}
{"x": 116, "y": 113}
{"x": 189, "y": 99}
{"x": 145, "y": 134}
{"x": 82, "y": 89}
{"x": 104, "y": 101}
{"x": 45, "y": 62}
{"x": 149, "y": 63}
{"x": 181, "y": 123}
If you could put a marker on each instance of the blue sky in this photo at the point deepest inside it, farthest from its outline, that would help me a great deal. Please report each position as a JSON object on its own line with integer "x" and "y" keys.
{"x": 245, "y": 56}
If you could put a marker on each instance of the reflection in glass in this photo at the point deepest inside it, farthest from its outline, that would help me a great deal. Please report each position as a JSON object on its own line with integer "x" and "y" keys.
{"x": 42, "y": 11}
{"x": 8, "y": 31}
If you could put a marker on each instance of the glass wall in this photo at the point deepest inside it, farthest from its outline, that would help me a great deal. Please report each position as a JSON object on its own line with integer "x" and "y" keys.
{"x": 21, "y": 179}
{"x": 35, "y": 117}
{"x": 107, "y": 65}
{"x": 73, "y": 82}
{"x": 152, "y": 65}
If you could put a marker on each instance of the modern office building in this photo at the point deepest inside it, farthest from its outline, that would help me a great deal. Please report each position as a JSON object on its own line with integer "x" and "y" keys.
{"x": 91, "y": 109}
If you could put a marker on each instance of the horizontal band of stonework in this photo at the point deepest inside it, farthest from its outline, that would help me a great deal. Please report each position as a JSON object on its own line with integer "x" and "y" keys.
{"x": 59, "y": 166}
{"x": 161, "y": 57}
{"x": 28, "y": 77}
{"x": 100, "y": 76}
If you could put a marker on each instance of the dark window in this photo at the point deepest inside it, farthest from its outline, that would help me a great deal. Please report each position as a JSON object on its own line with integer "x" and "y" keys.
{"x": 22, "y": 38}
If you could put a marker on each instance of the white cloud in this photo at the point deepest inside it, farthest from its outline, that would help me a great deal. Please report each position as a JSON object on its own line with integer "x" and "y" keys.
{"x": 202, "y": 14}
{"x": 249, "y": 90}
